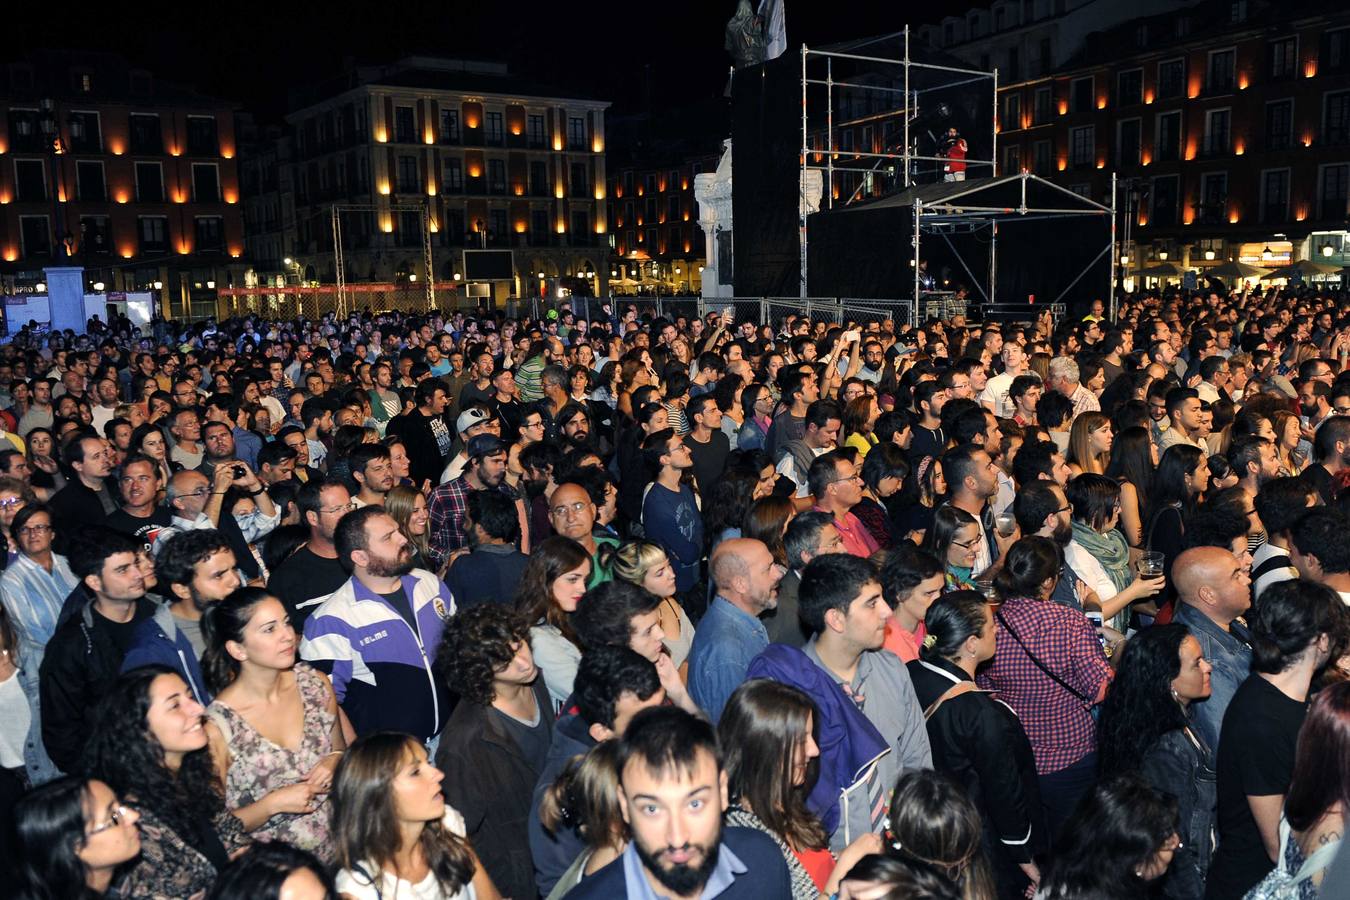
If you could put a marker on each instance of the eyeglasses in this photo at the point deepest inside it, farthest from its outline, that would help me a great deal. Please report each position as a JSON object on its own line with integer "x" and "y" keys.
{"x": 9, "y": 502}
{"x": 854, "y": 477}
{"x": 966, "y": 544}
{"x": 115, "y": 818}
{"x": 35, "y": 529}
{"x": 575, "y": 508}
{"x": 342, "y": 508}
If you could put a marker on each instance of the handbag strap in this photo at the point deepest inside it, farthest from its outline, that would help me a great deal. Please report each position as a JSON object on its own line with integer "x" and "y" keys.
{"x": 1040, "y": 665}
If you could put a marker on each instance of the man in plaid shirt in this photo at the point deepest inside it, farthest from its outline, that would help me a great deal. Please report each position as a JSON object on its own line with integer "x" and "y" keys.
{"x": 486, "y": 470}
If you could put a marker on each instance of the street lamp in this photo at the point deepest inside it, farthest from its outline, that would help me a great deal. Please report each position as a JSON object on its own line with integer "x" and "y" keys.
{"x": 50, "y": 126}
{"x": 1328, "y": 250}
{"x": 1124, "y": 259}
{"x": 1162, "y": 255}
{"x": 1209, "y": 255}
{"x": 98, "y": 287}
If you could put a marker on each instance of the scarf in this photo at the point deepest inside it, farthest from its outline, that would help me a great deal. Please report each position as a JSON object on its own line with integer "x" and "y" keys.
{"x": 1109, "y": 549}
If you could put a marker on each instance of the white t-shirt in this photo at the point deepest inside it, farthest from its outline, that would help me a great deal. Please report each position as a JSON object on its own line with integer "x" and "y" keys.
{"x": 995, "y": 396}
{"x": 358, "y": 886}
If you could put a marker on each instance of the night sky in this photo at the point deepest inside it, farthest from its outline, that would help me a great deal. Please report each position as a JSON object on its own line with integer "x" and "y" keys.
{"x": 626, "y": 52}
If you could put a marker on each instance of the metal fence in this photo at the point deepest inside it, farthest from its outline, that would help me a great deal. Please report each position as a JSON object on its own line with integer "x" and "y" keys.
{"x": 313, "y": 301}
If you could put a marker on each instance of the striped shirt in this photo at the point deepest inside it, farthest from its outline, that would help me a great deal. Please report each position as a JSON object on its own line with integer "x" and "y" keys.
{"x": 33, "y": 598}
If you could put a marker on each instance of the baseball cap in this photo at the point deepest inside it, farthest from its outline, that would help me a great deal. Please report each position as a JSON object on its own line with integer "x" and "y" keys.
{"x": 469, "y": 418}
{"x": 551, "y": 315}
{"x": 481, "y": 445}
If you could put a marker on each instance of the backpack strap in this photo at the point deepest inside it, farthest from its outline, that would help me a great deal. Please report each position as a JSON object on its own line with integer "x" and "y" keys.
{"x": 956, "y": 690}
{"x": 1040, "y": 665}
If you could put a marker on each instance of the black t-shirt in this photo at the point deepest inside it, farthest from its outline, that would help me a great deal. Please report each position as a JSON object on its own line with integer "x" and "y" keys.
{"x": 1256, "y": 758}
{"x": 140, "y": 528}
{"x": 927, "y": 442}
{"x": 121, "y": 633}
{"x": 1317, "y": 475}
{"x": 305, "y": 577}
{"x": 709, "y": 459}
{"x": 533, "y": 740}
{"x": 403, "y": 606}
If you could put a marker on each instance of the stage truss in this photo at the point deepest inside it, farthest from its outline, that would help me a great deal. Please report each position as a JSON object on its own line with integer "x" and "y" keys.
{"x": 422, "y": 209}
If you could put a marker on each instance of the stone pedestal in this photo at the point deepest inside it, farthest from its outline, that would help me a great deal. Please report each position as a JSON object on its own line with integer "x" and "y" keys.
{"x": 65, "y": 292}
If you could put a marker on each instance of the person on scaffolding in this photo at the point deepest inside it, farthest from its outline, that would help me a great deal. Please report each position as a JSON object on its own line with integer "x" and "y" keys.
{"x": 954, "y": 149}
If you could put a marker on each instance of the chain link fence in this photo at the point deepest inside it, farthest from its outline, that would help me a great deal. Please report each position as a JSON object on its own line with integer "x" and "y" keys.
{"x": 313, "y": 301}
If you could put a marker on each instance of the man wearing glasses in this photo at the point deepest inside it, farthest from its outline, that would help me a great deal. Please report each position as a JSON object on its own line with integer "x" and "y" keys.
{"x": 311, "y": 573}
{"x": 837, "y": 487}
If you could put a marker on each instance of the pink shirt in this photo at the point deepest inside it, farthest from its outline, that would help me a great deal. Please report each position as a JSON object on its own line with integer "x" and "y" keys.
{"x": 855, "y": 536}
{"x": 904, "y": 644}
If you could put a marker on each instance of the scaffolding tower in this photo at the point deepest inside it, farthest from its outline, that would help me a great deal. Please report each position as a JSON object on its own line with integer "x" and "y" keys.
{"x": 423, "y": 210}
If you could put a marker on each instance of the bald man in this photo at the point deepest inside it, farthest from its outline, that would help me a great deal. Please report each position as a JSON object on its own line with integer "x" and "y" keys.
{"x": 1214, "y": 588}
{"x": 730, "y": 634}
{"x": 572, "y": 514}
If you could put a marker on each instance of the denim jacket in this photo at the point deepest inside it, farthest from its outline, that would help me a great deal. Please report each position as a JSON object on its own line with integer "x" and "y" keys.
{"x": 1180, "y": 764}
{"x": 1230, "y": 653}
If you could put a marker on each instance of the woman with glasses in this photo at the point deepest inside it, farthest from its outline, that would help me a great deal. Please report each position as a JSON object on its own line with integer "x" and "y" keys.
{"x": 551, "y": 586}
{"x": 71, "y": 836}
{"x": 1119, "y": 841}
{"x": 150, "y": 746}
{"x": 14, "y": 496}
{"x": 534, "y": 422}
{"x": 1145, "y": 727}
{"x": 756, "y": 410}
{"x": 275, "y": 730}
{"x": 955, "y": 540}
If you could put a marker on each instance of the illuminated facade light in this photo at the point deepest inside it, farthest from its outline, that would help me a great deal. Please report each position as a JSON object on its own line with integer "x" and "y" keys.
{"x": 384, "y": 187}
{"x": 381, "y": 135}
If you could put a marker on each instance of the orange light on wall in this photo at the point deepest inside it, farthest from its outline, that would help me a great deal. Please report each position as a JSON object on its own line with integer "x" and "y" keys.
{"x": 1307, "y": 139}
{"x": 1239, "y": 147}
{"x": 1193, "y": 86}
{"x": 558, "y": 191}
{"x": 518, "y": 190}
{"x": 684, "y": 184}
{"x": 116, "y": 147}
{"x": 1301, "y": 213}
{"x": 4, "y": 197}
{"x": 383, "y": 188}
{"x": 121, "y": 196}
{"x": 470, "y": 118}
{"x": 599, "y": 191}
{"x": 1243, "y": 81}
{"x": 639, "y": 221}
{"x": 640, "y": 190}
{"x": 562, "y": 227}
{"x": 175, "y": 151}
{"x": 661, "y": 186}
{"x": 600, "y": 226}
{"x": 1190, "y": 149}
{"x": 1026, "y": 120}
{"x": 998, "y": 127}
{"x": 1145, "y": 157}
{"x": 557, "y": 142}
{"x": 1101, "y": 102}
{"x": 1310, "y": 67}
{"x": 1101, "y": 164}
{"x": 431, "y": 189}
{"x": 381, "y": 135}
{"x": 1233, "y": 217}
{"x": 1064, "y": 107}
{"x": 3, "y": 147}
{"x": 11, "y": 254}
{"x": 428, "y": 137}
{"x": 236, "y": 252}
{"x": 515, "y": 129}
{"x": 227, "y": 153}
{"x": 1188, "y": 215}
{"x": 128, "y": 252}
{"x": 184, "y": 248}
{"x": 387, "y": 223}
{"x": 61, "y": 194}
{"x": 1148, "y": 96}
{"x": 686, "y": 215}
{"x": 598, "y": 145}
{"x": 1143, "y": 218}
{"x": 1063, "y": 163}
{"x": 434, "y": 226}
{"x": 179, "y": 197}
{"x": 520, "y": 226}
{"x": 231, "y": 196}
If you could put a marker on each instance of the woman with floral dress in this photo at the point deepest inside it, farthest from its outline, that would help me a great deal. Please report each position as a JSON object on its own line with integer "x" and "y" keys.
{"x": 275, "y": 730}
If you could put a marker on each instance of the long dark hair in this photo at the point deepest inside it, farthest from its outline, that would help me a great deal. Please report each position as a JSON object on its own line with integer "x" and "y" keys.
{"x": 951, "y": 620}
{"x": 947, "y": 521}
{"x": 1131, "y": 459}
{"x": 1169, "y": 485}
{"x": 765, "y": 521}
{"x": 934, "y": 822}
{"x": 1139, "y": 708}
{"x": 554, "y": 557}
{"x": 261, "y": 871}
{"x": 49, "y": 823}
{"x": 223, "y": 622}
{"x": 1322, "y": 761}
{"x": 1118, "y": 826}
{"x": 123, "y": 753}
{"x": 365, "y": 817}
{"x": 727, "y": 500}
{"x": 1031, "y": 562}
{"x": 761, "y": 729}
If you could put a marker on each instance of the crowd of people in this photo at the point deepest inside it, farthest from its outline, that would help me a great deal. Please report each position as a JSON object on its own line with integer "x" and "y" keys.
{"x": 465, "y": 606}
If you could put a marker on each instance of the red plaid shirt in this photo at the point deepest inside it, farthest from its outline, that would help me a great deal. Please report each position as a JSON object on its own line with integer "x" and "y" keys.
{"x": 445, "y": 509}
{"x": 1058, "y": 724}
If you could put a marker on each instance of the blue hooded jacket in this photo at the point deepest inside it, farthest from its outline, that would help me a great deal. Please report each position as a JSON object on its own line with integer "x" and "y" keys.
{"x": 849, "y": 744}
{"x": 158, "y": 642}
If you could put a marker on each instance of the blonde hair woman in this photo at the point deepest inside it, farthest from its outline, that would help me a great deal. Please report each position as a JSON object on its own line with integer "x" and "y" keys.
{"x": 1090, "y": 444}
{"x": 647, "y": 566}
{"x": 408, "y": 508}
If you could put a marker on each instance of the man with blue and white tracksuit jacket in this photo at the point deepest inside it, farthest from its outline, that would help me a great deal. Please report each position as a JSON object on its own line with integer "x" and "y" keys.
{"x": 376, "y": 636}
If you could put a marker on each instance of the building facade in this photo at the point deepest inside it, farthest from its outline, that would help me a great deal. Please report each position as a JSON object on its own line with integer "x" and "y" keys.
{"x": 102, "y": 165}
{"x": 1227, "y": 125}
{"x": 658, "y": 246}
{"x": 457, "y": 150}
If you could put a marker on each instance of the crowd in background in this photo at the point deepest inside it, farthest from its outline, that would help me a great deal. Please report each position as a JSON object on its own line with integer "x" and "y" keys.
{"x": 466, "y": 606}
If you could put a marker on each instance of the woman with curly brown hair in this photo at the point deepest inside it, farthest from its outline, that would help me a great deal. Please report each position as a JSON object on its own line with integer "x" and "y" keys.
{"x": 496, "y": 742}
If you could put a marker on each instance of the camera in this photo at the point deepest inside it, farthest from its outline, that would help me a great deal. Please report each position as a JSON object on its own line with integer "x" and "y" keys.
{"x": 240, "y": 470}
